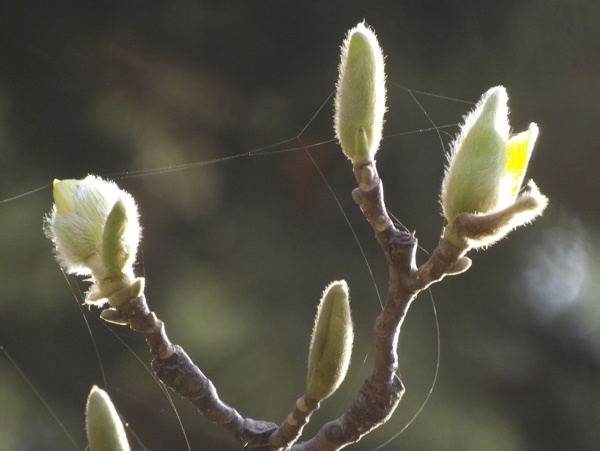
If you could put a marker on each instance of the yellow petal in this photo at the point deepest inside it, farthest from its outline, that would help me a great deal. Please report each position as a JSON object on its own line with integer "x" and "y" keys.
{"x": 519, "y": 151}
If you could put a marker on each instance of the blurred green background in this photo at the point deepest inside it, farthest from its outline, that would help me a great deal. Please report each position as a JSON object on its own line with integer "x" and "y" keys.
{"x": 237, "y": 252}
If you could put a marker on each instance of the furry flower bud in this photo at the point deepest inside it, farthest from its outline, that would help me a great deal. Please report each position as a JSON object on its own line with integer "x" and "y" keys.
{"x": 102, "y": 423}
{"x": 331, "y": 343}
{"x": 485, "y": 172}
{"x": 95, "y": 229}
{"x": 360, "y": 97}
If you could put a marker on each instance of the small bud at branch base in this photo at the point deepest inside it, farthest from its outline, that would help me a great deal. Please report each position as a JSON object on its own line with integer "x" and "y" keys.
{"x": 331, "y": 344}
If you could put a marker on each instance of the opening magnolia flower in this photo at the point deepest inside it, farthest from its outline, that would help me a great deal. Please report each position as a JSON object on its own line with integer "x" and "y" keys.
{"x": 485, "y": 172}
{"x": 95, "y": 229}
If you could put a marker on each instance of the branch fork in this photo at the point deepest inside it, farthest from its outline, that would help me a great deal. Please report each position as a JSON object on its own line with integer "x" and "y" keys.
{"x": 95, "y": 228}
{"x": 382, "y": 390}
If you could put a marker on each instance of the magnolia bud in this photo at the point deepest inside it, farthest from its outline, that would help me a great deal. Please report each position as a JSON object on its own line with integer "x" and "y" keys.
{"x": 331, "y": 343}
{"x": 95, "y": 229}
{"x": 360, "y": 97}
{"x": 485, "y": 172}
{"x": 102, "y": 423}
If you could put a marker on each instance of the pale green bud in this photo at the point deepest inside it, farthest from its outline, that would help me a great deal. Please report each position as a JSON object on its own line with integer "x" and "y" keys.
{"x": 331, "y": 343}
{"x": 118, "y": 247}
{"x": 486, "y": 168}
{"x": 103, "y": 426}
{"x": 95, "y": 229}
{"x": 360, "y": 96}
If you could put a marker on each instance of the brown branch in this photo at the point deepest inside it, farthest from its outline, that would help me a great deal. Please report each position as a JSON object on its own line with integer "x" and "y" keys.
{"x": 381, "y": 391}
{"x": 291, "y": 429}
{"x": 446, "y": 259}
{"x": 176, "y": 370}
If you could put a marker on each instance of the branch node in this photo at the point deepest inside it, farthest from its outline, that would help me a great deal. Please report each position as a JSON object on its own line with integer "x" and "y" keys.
{"x": 368, "y": 175}
{"x": 357, "y": 196}
{"x": 381, "y": 223}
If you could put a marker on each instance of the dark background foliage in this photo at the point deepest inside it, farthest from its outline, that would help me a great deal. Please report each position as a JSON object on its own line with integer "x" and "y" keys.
{"x": 236, "y": 252}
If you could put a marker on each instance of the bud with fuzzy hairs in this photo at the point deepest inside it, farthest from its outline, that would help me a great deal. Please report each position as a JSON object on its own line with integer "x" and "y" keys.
{"x": 486, "y": 167}
{"x": 360, "y": 96}
{"x": 102, "y": 423}
{"x": 331, "y": 343}
{"x": 95, "y": 230}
